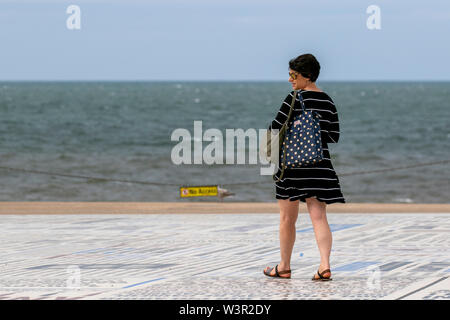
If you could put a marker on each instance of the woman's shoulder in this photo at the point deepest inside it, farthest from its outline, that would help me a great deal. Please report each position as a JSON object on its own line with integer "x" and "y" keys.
{"x": 311, "y": 92}
{"x": 310, "y": 95}
{"x": 316, "y": 95}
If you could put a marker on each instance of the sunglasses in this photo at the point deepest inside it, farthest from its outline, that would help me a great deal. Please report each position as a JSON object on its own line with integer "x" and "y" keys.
{"x": 293, "y": 75}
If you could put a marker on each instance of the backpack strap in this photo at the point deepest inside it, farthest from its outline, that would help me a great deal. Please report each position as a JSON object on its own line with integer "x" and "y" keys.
{"x": 284, "y": 127}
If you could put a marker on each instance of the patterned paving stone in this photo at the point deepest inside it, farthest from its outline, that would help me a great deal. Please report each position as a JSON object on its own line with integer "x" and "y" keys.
{"x": 208, "y": 256}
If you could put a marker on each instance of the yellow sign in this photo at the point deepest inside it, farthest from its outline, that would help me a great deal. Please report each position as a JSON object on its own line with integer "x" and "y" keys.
{"x": 199, "y": 191}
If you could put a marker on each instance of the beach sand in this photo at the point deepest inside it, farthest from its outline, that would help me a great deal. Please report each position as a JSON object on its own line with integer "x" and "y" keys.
{"x": 41, "y": 207}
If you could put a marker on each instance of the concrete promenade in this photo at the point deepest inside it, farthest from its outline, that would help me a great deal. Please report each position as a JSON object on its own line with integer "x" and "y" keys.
{"x": 162, "y": 251}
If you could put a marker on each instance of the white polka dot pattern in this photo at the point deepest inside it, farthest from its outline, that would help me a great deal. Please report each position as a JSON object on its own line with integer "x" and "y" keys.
{"x": 302, "y": 146}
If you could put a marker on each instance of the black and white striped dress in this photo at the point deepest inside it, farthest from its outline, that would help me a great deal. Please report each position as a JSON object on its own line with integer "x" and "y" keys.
{"x": 318, "y": 180}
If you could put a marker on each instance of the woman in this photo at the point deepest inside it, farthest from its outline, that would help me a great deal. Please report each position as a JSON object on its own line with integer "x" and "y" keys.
{"x": 318, "y": 184}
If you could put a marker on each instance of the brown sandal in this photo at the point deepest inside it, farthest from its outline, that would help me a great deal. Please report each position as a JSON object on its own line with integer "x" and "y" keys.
{"x": 277, "y": 273}
{"x": 321, "y": 277}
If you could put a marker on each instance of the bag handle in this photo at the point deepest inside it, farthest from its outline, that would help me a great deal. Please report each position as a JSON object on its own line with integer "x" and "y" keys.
{"x": 301, "y": 100}
{"x": 285, "y": 125}
{"x": 303, "y": 104}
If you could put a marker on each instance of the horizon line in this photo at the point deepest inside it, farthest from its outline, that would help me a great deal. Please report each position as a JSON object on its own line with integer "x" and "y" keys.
{"x": 213, "y": 80}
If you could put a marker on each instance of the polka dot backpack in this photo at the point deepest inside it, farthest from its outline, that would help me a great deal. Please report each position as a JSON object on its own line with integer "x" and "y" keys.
{"x": 302, "y": 145}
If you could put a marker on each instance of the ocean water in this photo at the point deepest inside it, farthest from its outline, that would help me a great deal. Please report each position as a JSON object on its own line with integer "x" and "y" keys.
{"x": 122, "y": 131}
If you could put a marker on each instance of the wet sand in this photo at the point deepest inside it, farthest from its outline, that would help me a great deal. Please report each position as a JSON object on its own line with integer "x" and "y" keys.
{"x": 38, "y": 207}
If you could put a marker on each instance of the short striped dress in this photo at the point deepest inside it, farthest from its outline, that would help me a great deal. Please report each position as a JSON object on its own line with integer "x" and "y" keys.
{"x": 318, "y": 180}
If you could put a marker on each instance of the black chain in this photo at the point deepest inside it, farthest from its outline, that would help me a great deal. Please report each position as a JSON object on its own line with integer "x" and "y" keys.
{"x": 226, "y": 184}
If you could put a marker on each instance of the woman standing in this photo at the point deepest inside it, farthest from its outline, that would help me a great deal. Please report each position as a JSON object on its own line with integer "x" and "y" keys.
{"x": 318, "y": 184}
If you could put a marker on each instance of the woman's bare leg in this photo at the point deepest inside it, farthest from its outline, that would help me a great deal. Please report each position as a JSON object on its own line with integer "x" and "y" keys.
{"x": 318, "y": 214}
{"x": 288, "y": 218}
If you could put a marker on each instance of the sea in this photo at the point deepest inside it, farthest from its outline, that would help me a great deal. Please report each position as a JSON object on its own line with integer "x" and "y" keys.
{"x": 112, "y": 141}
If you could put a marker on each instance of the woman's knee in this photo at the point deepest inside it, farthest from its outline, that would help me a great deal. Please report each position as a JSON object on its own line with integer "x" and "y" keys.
{"x": 289, "y": 212}
{"x": 316, "y": 208}
{"x": 288, "y": 217}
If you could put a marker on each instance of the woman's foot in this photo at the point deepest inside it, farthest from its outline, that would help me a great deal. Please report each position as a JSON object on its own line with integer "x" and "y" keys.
{"x": 325, "y": 274}
{"x": 281, "y": 271}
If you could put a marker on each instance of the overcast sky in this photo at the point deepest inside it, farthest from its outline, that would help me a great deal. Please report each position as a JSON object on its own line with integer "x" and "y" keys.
{"x": 223, "y": 39}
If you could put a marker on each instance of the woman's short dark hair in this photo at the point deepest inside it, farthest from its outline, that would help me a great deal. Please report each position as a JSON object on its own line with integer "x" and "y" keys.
{"x": 307, "y": 65}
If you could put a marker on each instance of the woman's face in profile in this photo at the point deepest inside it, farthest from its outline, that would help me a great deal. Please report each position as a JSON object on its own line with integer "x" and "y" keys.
{"x": 297, "y": 80}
